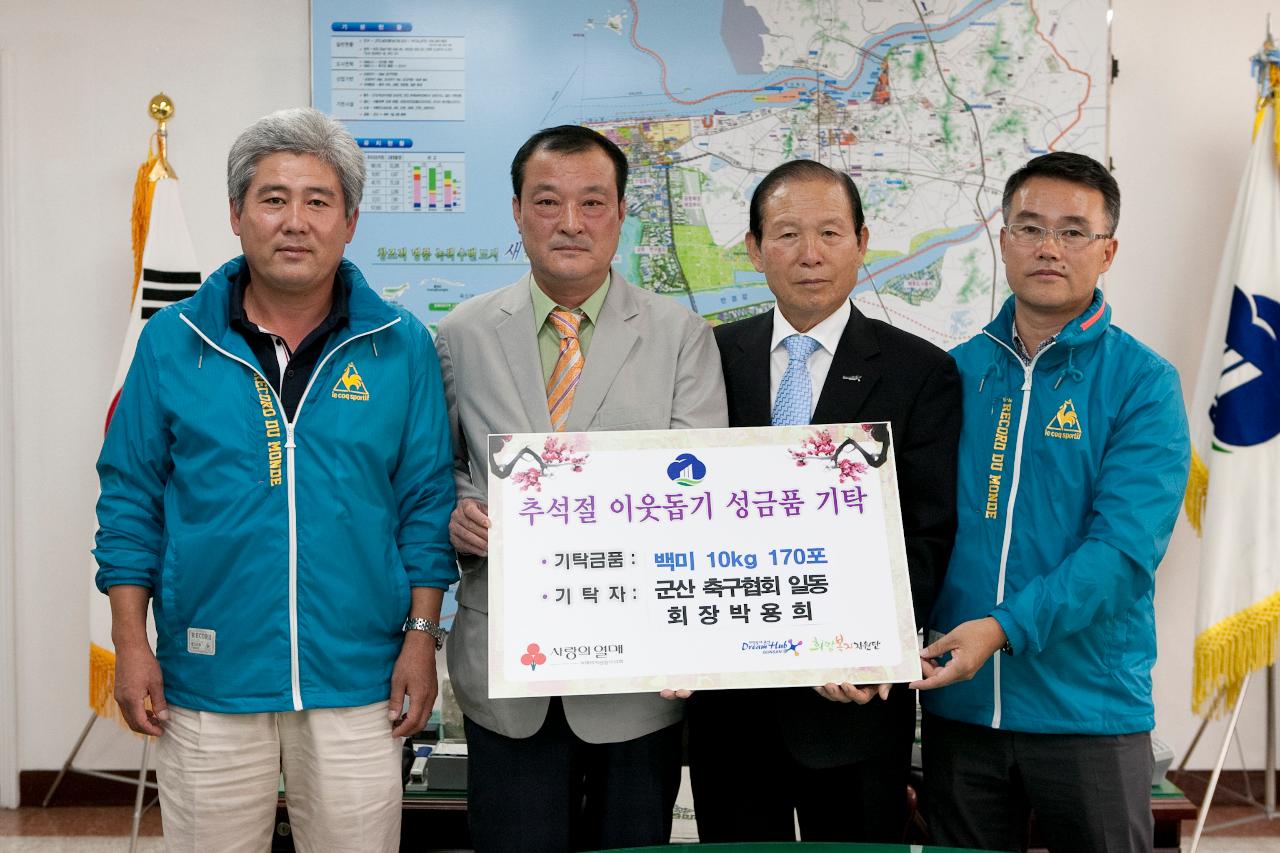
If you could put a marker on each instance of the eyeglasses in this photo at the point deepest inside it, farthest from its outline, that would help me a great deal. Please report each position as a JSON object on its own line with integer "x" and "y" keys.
{"x": 1068, "y": 238}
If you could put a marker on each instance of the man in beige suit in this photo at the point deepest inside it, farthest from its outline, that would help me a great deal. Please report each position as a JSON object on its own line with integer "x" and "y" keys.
{"x": 571, "y": 346}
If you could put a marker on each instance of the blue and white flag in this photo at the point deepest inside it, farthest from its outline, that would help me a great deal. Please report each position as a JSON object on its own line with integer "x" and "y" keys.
{"x": 1234, "y": 496}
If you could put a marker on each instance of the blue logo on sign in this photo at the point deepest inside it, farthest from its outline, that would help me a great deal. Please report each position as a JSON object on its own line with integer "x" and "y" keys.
{"x": 687, "y": 470}
{"x": 1247, "y": 409}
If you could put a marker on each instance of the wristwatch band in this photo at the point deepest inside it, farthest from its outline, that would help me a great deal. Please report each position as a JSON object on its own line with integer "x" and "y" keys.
{"x": 415, "y": 623}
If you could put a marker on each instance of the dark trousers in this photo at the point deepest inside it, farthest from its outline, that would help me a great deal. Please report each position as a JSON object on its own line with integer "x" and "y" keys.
{"x": 748, "y": 787}
{"x": 1089, "y": 792}
{"x": 555, "y": 792}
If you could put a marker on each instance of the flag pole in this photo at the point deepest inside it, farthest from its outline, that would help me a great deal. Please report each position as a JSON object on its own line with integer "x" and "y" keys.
{"x": 1269, "y": 783}
{"x": 161, "y": 109}
{"x": 154, "y": 169}
{"x": 1269, "y": 779}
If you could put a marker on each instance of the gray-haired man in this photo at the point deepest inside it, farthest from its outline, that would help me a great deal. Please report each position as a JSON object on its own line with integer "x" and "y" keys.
{"x": 277, "y": 481}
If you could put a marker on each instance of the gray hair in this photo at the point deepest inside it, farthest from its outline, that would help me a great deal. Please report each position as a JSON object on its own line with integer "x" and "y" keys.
{"x": 301, "y": 130}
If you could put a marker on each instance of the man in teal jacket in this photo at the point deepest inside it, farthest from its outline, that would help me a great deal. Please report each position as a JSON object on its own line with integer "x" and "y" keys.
{"x": 277, "y": 481}
{"x": 1073, "y": 461}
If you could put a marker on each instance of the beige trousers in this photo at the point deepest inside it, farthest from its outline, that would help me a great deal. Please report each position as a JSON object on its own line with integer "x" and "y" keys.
{"x": 218, "y": 777}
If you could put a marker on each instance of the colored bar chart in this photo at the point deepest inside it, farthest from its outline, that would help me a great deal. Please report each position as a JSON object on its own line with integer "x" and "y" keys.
{"x": 413, "y": 182}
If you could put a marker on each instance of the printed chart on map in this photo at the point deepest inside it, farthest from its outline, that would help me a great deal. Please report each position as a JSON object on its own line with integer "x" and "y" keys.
{"x": 928, "y": 106}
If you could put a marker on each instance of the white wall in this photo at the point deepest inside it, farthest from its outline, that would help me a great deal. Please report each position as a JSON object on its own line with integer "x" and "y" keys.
{"x": 83, "y": 72}
{"x": 8, "y": 569}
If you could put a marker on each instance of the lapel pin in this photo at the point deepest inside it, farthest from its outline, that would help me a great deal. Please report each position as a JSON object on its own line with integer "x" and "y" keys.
{"x": 857, "y": 377}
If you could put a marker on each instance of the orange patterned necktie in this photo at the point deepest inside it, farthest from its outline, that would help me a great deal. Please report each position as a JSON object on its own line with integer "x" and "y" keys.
{"x": 564, "y": 376}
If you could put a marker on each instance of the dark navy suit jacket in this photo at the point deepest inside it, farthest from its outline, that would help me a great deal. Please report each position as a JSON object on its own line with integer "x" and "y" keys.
{"x": 915, "y": 386}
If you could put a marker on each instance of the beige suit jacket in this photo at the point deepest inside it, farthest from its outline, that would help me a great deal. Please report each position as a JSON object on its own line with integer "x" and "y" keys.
{"x": 652, "y": 364}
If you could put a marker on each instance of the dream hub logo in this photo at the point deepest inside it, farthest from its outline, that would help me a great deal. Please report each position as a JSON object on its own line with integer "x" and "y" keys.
{"x": 687, "y": 470}
{"x": 774, "y": 647}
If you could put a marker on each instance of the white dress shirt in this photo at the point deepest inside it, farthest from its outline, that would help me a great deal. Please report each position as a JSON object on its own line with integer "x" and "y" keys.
{"x": 827, "y": 334}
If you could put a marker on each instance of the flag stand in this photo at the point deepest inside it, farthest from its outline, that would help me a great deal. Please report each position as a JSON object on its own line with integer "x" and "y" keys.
{"x": 141, "y": 781}
{"x": 1268, "y": 806}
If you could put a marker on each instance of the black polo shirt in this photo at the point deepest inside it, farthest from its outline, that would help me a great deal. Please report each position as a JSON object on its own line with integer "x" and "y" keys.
{"x": 272, "y": 351}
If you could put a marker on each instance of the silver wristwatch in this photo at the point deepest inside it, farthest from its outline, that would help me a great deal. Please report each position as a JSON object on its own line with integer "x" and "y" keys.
{"x": 415, "y": 623}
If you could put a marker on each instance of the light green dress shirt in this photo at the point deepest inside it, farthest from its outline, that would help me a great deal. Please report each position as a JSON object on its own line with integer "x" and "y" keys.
{"x": 549, "y": 338}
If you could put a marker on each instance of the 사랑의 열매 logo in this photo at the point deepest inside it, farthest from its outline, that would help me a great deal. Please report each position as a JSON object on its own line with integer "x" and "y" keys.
{"x": 533, "y": 657}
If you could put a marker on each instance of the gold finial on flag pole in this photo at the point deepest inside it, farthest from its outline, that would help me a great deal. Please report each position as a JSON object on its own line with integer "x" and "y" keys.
{"x": 154, "y": 168}
{"x": 161, "y": 109}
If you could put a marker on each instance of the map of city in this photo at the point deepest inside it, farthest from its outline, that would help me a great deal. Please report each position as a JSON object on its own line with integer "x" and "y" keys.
{"x": 927, "y": 105}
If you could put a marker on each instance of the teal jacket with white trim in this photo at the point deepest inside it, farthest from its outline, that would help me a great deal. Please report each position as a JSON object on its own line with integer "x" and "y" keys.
{"x": 1072, "y": 473}
{"x": 280, "y": 556}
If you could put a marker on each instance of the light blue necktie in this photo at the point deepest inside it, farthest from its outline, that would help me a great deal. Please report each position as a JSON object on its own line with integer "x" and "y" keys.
{"x": 794, "y": 403}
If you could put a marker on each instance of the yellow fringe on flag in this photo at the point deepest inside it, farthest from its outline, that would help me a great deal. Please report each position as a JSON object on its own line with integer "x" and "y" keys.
{"x": 1273, "y": 88}
{"x": 1197, "y": 492}
{"x": 102, "y": 683}
{"x": 144, "y": 189}
{"x": 1228, "y": 651}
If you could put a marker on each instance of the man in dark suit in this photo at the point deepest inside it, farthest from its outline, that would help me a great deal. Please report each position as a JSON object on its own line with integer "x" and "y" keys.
{"x": 837, "y": 755}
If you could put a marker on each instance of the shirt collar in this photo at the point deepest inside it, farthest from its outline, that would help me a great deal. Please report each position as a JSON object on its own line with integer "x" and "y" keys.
{"x": 827, "y": 333}
{"x": 544, "y": 305}
{"x": 339, "y": 310}
{"x": 1021, "y": 348}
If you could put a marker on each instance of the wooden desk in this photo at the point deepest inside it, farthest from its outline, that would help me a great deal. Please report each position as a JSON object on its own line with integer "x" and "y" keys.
{"x": 1170, "y": 807}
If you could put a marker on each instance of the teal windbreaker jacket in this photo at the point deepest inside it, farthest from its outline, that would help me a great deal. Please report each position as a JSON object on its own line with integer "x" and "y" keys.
{"x": 279, "y": 555}
{"x": 1072, "y": 473}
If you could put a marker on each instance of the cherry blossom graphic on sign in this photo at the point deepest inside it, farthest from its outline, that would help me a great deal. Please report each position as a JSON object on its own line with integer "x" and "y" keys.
{"x": 821, "y": 445}
{"x": 527, "y": 467}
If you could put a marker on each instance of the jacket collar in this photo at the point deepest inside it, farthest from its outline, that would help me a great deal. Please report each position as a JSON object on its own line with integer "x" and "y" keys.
{"x": 611, "y": 344}
{"x": 1085, "y": 329}
{"x": 746, "y": 371}
{"x": 854, "y": 371}
{"x": 210, "y": 308}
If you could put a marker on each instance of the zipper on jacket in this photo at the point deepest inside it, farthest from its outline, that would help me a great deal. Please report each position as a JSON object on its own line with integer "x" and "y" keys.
{"x": 295, "y": 679}
{"x": 1028, "y": 370}
{"x": 290, "y": 446}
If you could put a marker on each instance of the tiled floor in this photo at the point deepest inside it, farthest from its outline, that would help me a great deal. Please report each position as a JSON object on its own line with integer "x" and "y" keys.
{"x": 74, "y": 820}
{"x": 1253, "y": 836}
{"x": 66, "y": 844}
{"x": 62, "y": 844}
{"x": 106, "y": 830}
{"x": 77, "y": 830}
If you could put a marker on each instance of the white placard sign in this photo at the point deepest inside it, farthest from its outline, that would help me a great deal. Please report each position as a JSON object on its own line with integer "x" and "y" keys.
{"x": 634, "y": 561}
